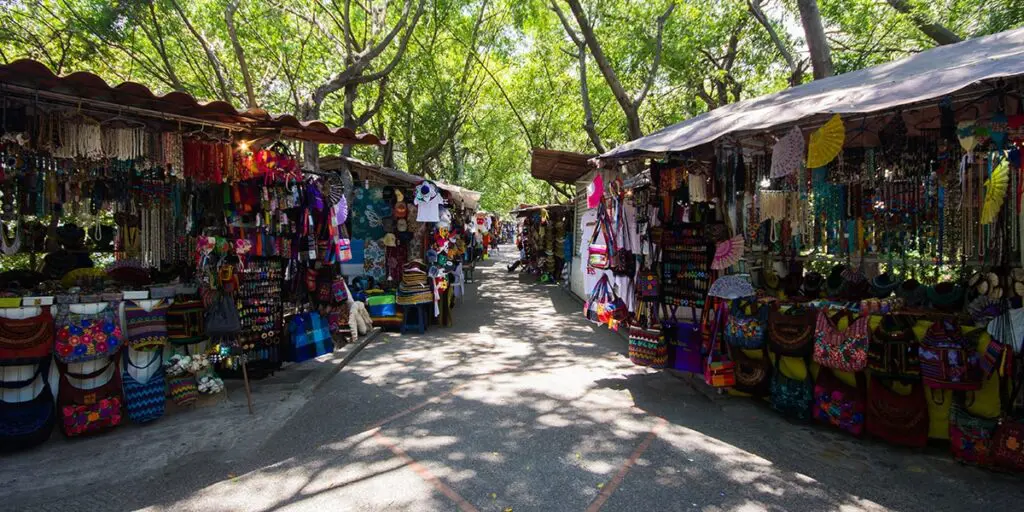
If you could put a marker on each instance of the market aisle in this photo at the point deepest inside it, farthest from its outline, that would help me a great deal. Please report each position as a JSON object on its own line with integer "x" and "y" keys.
{"x": 525, "y": 406}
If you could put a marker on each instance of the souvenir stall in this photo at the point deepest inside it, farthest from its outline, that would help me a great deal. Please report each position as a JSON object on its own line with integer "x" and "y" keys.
{"x": 151, "y": 248}
{"x": 541, "y": 239}
{"x": 863, "y": 270}
{"x": 401, "y": 221}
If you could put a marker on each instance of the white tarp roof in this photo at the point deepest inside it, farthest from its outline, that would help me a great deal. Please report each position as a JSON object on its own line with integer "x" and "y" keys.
{"x": 926, "y": 75}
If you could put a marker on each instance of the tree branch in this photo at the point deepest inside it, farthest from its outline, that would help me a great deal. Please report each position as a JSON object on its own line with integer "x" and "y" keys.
{"x": 796, "y": 68}
{"x": 229, "y": 20}
{"x": 377, "y": 104}
{"x": 657, "y": 56}
{"x": 212, "y": 57}
{"x": 935, "y": 31}
{"x": 821, "y": 57}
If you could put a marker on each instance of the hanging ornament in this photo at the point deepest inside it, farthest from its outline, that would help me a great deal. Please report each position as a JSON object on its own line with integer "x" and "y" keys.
{"x": 826, "y": 143}
{"x": 788, "y": 154}
{"x": 995, "y": 192}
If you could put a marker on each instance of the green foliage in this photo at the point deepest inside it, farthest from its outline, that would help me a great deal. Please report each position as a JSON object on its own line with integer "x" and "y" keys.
{"x": 480, "y": 82}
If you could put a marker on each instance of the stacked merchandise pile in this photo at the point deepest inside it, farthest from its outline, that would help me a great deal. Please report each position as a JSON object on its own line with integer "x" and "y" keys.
{"x": 415, "y": 287}
{"x": 383, "y": 310}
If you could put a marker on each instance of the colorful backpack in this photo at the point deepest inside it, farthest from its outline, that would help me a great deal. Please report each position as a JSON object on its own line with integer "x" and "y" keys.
{"x": 29, "y": 423}
{"x": 838, "y": 404}
{"x": 792, "y": 398}
{"x": 893, "y": 351}
{"x": 898, "y": 419}
{"x": 745, "y": 331}
{"x": 948, "y": 358}
{"x": 791, "y": 333}
{"x": 845, "y": 350}
{"x": 144, "y": 401}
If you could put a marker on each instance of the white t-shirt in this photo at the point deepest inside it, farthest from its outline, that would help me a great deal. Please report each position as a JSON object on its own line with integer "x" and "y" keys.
{"x": 428, "y": 202}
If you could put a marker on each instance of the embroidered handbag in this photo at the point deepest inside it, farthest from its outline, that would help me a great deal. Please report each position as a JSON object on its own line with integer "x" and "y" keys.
{"x": 87, "y": 411}
{"x": 746, "y": 331}
{"x": 791, "y": 332}
{"x": 598, "y": 256}
{"x": 792, "y": 398}
{"x": 971, "y": 437}
{"x": 685, "y": 349}
{"x": 753, "y": 375}
{"x": 838, "y": 404}
{"x": 28, "y": 423}
{"x": 26, "y": 340}
{"x": 1008, "y": 445}
{"x": 845, "y": 350}
{"x": 948, "y": 359}
{"x": 87, "y": 337}
{"x": 898, "y": 419}
{"x": 184, "y": 389}
{"x": 144, "y": 401}
{"x": 893, "y": 351}
{"x": 721, "y": 373}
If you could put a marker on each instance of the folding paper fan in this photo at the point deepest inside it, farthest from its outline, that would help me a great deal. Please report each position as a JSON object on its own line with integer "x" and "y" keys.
{"x": 728, "y": 253}
{"x": 731, "y": 287}
{"x": 788, "y": 154}
{"x": 965, "y": 133}
{"x": 995, "y": 192}
{"x": 826, "y": 143}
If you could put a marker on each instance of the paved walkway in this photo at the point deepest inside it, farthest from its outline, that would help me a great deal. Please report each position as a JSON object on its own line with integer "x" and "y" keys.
{"x": 524, "y": 406}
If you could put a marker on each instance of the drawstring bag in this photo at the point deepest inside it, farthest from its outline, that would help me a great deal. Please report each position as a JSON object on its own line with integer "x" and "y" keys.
{"x": 222, "y": 317}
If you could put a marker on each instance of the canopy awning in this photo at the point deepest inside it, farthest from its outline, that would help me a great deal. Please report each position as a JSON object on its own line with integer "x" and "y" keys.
{"x": 925, "y": 76}
{"x": 559, "y": 166}
{"x": 34, "y": 81}
{"x": 388, "y": 176}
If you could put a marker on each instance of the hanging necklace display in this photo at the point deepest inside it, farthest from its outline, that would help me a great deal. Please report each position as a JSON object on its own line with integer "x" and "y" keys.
{"x": 7, "y": 245}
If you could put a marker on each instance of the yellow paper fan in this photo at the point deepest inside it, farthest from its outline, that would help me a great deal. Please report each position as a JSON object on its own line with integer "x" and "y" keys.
{"x": 995, "y": 192}
{"x": 826, "y": 143}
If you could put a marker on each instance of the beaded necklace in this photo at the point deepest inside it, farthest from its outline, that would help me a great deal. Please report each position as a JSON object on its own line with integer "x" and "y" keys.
{"x": 9, "y": 246}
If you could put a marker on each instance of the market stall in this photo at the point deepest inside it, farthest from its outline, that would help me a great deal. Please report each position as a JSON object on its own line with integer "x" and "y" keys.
{"x": 849, "y": 250}
{"x": 543, "y": 240}
{"x": 401, "y": 224}
{"x": 153, "y": 246}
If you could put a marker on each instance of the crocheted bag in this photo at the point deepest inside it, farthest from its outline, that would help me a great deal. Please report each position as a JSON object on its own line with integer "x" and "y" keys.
{"x": 791, "y": 333}
{"x": 647, "y": 347}
{"x": 144, "y": 401}
{"x": 183, "y": 388}
{"x": 145, "y": 329}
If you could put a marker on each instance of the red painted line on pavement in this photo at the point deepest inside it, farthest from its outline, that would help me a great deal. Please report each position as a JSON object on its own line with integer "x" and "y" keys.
{"x": 616, "y": 481}
{"x": 425, "y": 474}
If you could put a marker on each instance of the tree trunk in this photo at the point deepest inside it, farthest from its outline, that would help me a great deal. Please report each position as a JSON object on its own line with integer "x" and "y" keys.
{"x": 817, "y": 44}
{"x": 936, "y": 32}
{"x": 229, "y": 20}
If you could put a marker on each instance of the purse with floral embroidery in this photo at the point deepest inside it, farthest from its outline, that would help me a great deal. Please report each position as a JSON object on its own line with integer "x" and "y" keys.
{"x": 88, "y": 411}
{"x": 746, "y": 331}
{"x": 838, "y": 404}
{"x": 845, "y": 350}
{"x": 86, "y": 337}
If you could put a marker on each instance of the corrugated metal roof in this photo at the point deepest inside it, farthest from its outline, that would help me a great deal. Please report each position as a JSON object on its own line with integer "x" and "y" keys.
{"x": 558, "y": 166}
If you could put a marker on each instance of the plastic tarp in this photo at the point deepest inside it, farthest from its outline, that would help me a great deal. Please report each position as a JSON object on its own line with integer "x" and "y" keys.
{"x": 921, "y": 77}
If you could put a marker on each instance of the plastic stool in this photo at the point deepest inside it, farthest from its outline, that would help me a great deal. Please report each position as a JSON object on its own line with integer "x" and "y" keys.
{"x": 414, "y": 318}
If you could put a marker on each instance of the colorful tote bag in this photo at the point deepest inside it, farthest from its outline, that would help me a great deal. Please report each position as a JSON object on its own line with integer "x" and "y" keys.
{"x": 27, "y": 424}
{"x": 845, "y": 350}
{"x": 719, "y": 372}
{"x": 647, "y": 347}
{"x": 948, "y": 359}
{"x": 311, "y": 336}
{"x": 1008, "y": 445}
{"x": 896, "y": 418}
{"x": 686, "y": 342}
{"x": 792, "y": 398}
{"x": 893, "y": 351}
{"x": 93, "y": 410}
{"x": 145, "y": 329}
{"x": 144, "y": 401}
{"x": 743, "y": 330}
{"x": 839, "y": 405}
{"x": 186, "y": 321}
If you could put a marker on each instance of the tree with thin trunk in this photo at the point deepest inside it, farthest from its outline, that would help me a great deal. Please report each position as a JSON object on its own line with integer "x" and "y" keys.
{"x": 938, "y": 33}
{"x": 817, "y": 44}
{"x": 797, "y": 68}
{"x": 630, "y": 104}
